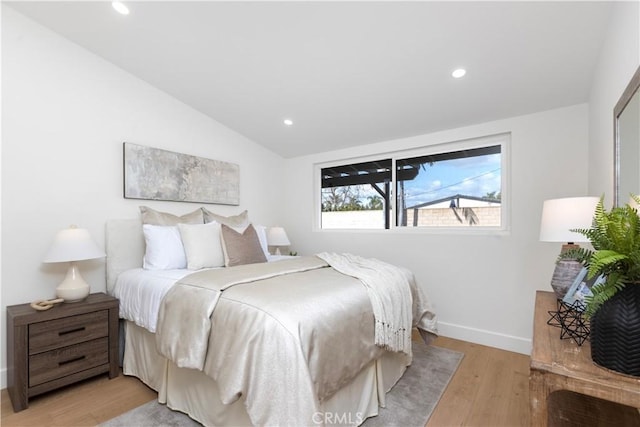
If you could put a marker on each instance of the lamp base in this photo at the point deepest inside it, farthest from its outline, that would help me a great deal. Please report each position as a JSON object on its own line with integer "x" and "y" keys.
{"x": 564, "y": 275}
{"x": 73, "y": 288}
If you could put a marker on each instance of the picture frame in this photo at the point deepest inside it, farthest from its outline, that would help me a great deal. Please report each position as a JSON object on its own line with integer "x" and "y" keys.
{"x": 580, "y": 289}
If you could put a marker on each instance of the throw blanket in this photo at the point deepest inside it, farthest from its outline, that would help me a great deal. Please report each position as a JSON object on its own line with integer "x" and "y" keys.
{"x": 389, "y": 290}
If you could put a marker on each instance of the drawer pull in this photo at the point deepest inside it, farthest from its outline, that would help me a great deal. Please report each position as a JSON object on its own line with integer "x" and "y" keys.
{"x": 75, "y": 359}
{"x": 70, "y": 331}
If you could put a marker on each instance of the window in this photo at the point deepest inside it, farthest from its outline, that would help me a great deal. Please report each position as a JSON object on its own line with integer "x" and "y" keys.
{"x": 356, "y": 195}
{"x": 454, "y": 185}
{"x": 458, "y": 188}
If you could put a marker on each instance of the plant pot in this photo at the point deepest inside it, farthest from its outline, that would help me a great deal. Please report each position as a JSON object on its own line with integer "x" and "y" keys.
{"x": 615, "y": 332}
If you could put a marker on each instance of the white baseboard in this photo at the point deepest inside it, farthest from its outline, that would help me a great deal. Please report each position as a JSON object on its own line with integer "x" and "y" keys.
{"x": 3, "y": 378}
{"x": 484, "y": 337}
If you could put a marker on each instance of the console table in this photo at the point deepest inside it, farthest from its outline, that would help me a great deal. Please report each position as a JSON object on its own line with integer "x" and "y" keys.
{"x": 561, "y": 365}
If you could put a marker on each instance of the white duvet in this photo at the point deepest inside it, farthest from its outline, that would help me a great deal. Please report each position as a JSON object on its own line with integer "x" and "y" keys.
{"x": 140, "y": 292}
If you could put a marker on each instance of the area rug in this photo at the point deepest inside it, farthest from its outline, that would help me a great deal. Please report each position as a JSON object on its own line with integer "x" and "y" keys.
{"x": 409, "y": 404}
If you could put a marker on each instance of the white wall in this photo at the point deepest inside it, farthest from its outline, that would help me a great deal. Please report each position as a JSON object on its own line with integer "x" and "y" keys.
{"x": 482, "y": 285}
{"x": 619, "y": 58}
{"x": 65, "y": 115}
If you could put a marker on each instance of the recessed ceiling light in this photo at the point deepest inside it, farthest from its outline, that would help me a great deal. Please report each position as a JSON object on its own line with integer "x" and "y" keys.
{"x": 460, "y": 72}
{"x": 120, "y": 7}
{"x": 288, "y": 122}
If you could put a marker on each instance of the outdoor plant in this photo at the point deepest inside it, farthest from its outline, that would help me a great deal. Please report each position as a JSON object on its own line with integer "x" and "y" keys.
{"x": 615, "y": 238}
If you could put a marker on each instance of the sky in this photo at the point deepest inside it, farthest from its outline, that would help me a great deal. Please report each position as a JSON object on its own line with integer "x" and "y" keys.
{"x": 470, "y": 176}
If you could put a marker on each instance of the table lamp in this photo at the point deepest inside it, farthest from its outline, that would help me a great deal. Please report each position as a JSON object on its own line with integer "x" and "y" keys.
{"x": 276, "y": 236}
{"x": 559, "y": 217}
{"x": 71, "y": 245}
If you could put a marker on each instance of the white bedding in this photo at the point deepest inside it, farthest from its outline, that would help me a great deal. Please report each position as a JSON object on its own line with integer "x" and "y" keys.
{"x": 140, "y": 292}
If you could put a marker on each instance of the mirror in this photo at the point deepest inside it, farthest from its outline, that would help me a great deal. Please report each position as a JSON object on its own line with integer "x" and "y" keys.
{"x": 626, "y": 134}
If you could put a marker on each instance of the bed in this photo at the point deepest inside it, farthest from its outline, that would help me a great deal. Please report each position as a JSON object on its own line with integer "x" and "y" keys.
{"x": 288, "y": 342}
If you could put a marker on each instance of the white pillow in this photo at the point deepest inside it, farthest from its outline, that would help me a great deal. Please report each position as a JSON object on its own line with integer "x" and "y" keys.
{"x": 164, "y": 249}
{"x": 202, "y": 245}
{"x": 261, "y": 230}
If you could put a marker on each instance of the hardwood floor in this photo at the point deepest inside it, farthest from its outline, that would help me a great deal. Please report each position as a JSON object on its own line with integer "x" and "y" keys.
{"x": 490, "y": 388}
{"x": 88, "y": 403}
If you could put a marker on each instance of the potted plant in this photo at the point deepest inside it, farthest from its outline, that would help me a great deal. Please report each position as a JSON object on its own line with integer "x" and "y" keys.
{"x": 614, "y": 306}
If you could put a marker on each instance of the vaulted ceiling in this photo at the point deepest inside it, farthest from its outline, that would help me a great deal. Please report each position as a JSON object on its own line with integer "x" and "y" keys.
{"x": 345, "y": 73}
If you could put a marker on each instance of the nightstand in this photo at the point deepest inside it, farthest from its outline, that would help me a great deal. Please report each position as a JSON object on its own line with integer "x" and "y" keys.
{"x": 57, "y": 347}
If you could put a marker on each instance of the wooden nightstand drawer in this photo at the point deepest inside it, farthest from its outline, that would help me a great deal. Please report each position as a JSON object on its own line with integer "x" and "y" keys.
{"x": 45, "y": 336}
{"x": 58, "y": 363}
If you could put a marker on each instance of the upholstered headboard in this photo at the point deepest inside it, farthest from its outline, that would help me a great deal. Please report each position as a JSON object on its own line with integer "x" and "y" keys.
{"x": 124, "y": 243}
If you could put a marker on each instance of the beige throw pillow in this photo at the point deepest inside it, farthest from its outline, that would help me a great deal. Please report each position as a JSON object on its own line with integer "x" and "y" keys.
{"x": 241, "y": 247}
{"x": 240, "y": 220}
{"x": 154, "y": 217}
{"x": 202, "y": 245}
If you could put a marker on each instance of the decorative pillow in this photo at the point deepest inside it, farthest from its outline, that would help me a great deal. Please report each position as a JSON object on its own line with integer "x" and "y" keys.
{"x": 153, "y": 217}
{"x": 240, "y": 220}
{"x": 241, "y": 247}
{"x": 202, "y": 245}
{"x": 164, "y": 249}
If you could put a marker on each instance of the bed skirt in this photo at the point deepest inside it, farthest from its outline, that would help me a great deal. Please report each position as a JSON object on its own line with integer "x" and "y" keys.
{"x": 192, "y": 392}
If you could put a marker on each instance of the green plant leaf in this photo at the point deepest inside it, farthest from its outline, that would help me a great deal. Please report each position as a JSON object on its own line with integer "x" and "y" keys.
{"x": 615, "y": 238}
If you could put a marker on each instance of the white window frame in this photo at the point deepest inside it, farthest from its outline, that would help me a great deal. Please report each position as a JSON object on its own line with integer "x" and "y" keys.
{"x": 502, "y": 139}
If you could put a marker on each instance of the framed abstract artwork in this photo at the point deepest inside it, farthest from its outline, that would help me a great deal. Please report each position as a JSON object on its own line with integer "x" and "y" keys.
{"x": 155, "y": 174}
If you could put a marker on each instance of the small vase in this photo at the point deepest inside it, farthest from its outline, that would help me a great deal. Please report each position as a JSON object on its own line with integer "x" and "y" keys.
{"x": 615, "y": 332}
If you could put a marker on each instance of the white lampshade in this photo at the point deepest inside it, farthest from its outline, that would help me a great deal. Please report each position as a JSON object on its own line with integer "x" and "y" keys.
{"x": 71, "y": 245}
{"x": 276, "y": 236}
{"x": 559, "y": 216}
